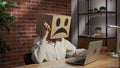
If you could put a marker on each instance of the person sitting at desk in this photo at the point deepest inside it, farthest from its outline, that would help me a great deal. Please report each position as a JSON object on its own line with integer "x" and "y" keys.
{"x": 45, "y": 49}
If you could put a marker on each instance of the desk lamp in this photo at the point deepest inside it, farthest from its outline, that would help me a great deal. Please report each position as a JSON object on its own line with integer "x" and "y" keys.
{"x": 117, "y": 54}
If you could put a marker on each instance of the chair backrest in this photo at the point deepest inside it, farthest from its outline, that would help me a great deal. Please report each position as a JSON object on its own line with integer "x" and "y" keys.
{"x": 28, "y": 58}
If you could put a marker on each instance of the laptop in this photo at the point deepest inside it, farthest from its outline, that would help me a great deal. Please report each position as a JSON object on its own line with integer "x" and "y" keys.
{"x": 91, "y": 56}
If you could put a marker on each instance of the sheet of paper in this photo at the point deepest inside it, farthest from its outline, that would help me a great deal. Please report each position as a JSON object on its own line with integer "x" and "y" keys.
{"x": 59, "y": 66}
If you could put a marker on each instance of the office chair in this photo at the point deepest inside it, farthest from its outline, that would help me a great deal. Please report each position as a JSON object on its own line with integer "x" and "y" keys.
{"x": 28, "y": 59}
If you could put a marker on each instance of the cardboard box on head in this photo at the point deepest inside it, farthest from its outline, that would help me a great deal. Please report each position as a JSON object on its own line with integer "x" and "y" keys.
{"x": 60, "y": 25}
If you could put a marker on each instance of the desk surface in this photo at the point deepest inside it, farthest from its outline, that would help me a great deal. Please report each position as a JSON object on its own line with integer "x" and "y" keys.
{"x": 104, "y": 61}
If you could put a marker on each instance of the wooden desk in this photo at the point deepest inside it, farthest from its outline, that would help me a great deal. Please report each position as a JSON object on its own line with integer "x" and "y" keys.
{"x": 104, "y": 61}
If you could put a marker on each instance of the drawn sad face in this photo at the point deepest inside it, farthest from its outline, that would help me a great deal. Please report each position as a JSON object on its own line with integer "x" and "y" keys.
{"x": 60, "y": 27}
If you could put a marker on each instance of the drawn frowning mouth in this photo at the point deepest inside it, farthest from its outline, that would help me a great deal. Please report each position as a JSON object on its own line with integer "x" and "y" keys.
{"x": 61, "y": 30}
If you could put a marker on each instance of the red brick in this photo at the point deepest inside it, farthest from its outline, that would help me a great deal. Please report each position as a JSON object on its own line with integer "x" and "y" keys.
{"x": 16, "y": 14}
{"x": 34, "y": 1}
{"x": 22, "y": 0}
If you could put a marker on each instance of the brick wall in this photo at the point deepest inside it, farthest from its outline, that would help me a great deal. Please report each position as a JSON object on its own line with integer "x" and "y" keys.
{"x": 23, "y": 30}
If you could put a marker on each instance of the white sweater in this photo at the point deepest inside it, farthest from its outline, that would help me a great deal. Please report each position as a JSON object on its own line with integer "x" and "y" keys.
{"x": 51, "y": 51}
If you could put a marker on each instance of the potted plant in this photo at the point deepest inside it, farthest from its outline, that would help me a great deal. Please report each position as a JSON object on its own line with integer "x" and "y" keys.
{"x": 96, "y": 10}
{"x": 5, "y": 19}
{"x": 98, "y": 29}
{"x": 103, "y": 9}
{"x": 90, "y": 11}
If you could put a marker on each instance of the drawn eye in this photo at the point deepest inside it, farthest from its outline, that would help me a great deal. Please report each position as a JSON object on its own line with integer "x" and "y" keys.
{"x": 66, "y": 22}
{"x": 58, "y": 22}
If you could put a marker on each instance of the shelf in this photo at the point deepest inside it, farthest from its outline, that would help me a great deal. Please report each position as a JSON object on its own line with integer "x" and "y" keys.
{"x": 97, "y": 37}
{"x": 99, "y": 13}
{"x": 91, "y": 21}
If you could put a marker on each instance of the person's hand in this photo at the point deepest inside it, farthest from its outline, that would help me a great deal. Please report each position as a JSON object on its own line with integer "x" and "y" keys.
{"x": 81, "y": 52}
{"x": 47, "y": 27}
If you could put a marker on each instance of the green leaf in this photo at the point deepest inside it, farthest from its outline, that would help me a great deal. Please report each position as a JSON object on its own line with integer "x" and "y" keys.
{"x": 2, "y": 8}
{"x": 4, "y": 3}
{"x": 5, "y": 19}
{"x": 13, "y": 4}
{"x": 3, "y": 47}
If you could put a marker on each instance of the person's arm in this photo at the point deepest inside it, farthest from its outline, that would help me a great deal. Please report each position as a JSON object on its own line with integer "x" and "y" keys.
{"x": 39, "y": 46}
{"x": 72, "y": 51}
{"x": 69, "y": 47}
{"x": 80, "y": 52}
{"x": 47, "y": 27}
{"x": 38, "y": 50}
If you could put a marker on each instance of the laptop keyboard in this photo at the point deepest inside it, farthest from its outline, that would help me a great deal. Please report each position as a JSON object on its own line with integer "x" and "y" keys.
{"x": 80, "y": 60}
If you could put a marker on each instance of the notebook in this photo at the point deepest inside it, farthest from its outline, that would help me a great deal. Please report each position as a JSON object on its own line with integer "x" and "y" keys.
{"x": 91, "y": 56}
